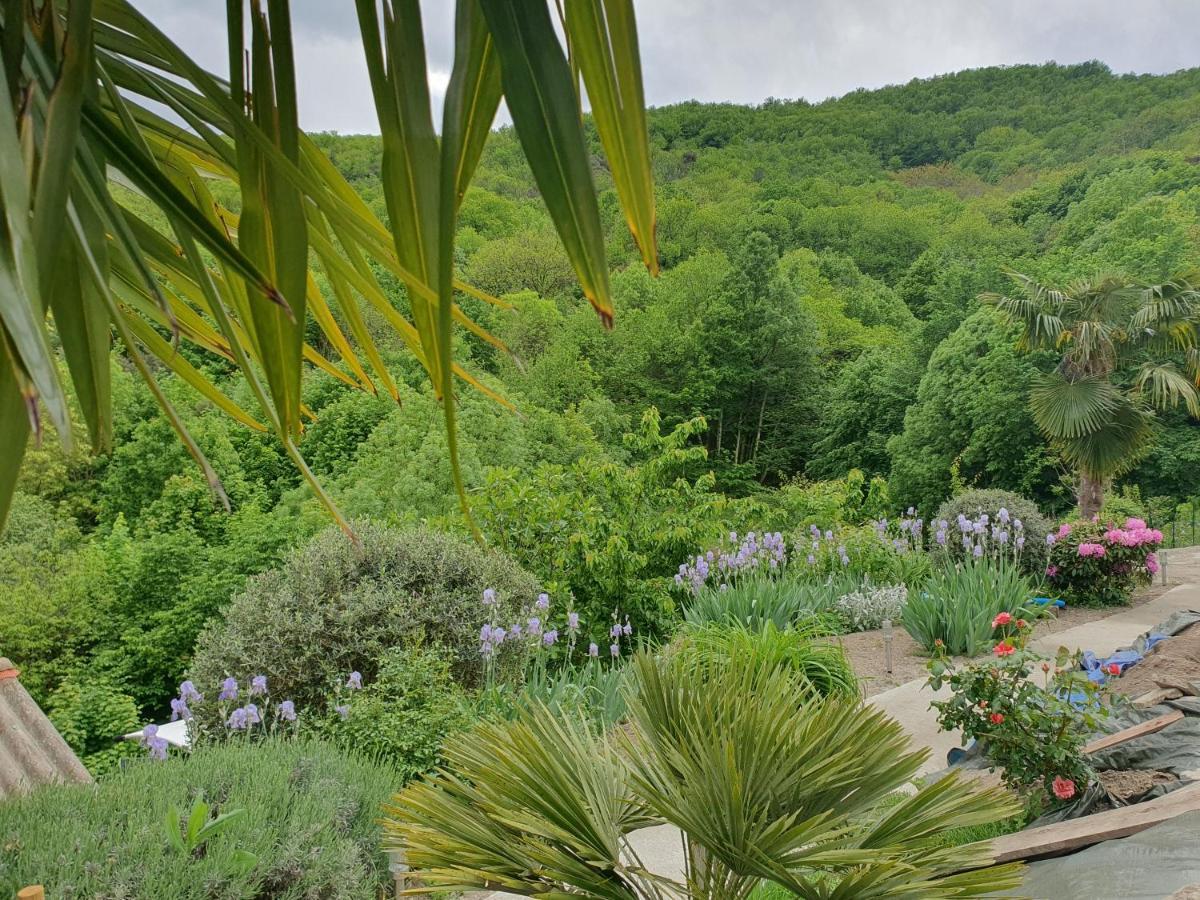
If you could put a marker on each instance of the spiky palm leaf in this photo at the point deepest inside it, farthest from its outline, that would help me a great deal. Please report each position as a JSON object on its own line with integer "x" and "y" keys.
{"x": 82, "y": 261}
{"x": 764, "y": 779}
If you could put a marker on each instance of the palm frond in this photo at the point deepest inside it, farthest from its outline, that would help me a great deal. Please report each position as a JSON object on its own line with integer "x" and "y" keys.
{"x": 1070, "y": 409}
{"x": 1165, "y": 386}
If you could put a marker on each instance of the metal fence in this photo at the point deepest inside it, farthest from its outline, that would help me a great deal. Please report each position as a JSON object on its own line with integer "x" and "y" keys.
{"x": 1180, "y": 530}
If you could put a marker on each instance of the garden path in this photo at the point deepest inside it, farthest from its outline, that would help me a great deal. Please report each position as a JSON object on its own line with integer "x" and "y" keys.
{"x": 909, "y": 703}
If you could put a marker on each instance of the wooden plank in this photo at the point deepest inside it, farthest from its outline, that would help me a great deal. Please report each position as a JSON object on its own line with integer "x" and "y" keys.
{"x": 1155, "y": 697}
{"x": 1074, "y": 834}
{"x": 1150, "y": 726}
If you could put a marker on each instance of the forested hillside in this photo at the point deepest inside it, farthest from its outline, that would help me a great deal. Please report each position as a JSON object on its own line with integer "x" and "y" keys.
{"x": 817, "y": 309}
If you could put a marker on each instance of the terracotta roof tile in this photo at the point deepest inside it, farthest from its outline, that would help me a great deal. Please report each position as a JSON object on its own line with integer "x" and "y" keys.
{"x": 32, "y": 752}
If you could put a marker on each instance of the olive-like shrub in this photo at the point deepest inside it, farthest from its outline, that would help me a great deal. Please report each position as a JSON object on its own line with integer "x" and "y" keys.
{"x": 977, "y": 502}
{"x": 333, "y": 608}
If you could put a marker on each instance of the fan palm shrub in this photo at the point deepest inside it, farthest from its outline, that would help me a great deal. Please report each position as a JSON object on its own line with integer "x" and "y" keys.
{"x": 765, "y": 781}
{"x": 110, "y": 225}
{"x": 1099, "y": 423}
{"x": 804, "y": 650}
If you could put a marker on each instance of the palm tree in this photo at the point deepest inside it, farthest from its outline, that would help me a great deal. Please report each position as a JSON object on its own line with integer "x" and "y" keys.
{"x": 765, "y": 780}
{"x": 1116, "y": 341}
{"x": 110, "y": 227}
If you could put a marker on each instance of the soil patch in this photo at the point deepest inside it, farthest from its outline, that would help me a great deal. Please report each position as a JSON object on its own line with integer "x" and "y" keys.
{"x": 1127, "y": 785}
{"x": 1177, "y": 659}
{"x": 865, "y": 651}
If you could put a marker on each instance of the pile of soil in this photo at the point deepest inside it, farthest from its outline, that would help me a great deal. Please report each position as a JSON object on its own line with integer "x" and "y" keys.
{"x": 1177, "y": 659}
{"x": 1127, "y": 785}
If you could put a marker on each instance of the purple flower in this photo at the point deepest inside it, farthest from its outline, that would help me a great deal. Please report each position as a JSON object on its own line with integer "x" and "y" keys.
{"x": 627, "y": 629}
{"x": 342, "y": 710}
{"x": 286, "y": 711}
{"x": 237, "y": 719}
{"x": 188, "y": 693}
{"x": 485, "y": 633}
{"x": 179, "y": 709}
{"x": 1002, "y": 515}
{"x": 593, "y": 650}
{"x": 489, "y": 597}
{"x": 515, "y": 631}
{"x": 941, "y": 538}
{"x": 157, "y": 747}
{"x": 978, "y": 551}
{"x": 550, "y": 637}
{"x": 150, "y": 731}
{"x": 354, "y": 681}
{"x": 229, "y": 689}
{"x": 498, "y": 635}
{"x": 572, "y": 621}
{"x": 535, "y": 626}
{"x": 252, "y": 716}
{"x": 811, "y": 559}
{"x": 1050, "y": 539}
{"x": 258, "y": 685}
{"x": 614, "y": 649}
{"x": 543, "y": 601}
{"x": 615, "y": 631}
{"x": 829, "y": 535}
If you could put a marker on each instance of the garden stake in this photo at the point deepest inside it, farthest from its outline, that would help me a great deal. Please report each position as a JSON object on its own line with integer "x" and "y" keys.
{"x": 887, "y": 644}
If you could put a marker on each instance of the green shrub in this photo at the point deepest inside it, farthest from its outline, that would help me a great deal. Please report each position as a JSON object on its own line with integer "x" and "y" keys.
{"x": 1102, "y": 563}
{"x": 404, "y": 716}
{"x": 333, "y": 608}
{"x": 973, "y": 502}
{"x": 803, "y": 651}
{"x": 93, "y": 715}
{"x": 755, "y": 602}
{"x": 310, "y": 818}
{"x": 959, "y": 602}
{"x": 869, "y": 606}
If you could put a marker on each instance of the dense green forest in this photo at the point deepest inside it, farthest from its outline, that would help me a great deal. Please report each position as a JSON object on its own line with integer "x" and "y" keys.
{"x": 814, "y": 345}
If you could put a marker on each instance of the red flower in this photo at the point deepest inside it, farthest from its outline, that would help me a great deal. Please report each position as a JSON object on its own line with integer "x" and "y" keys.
{"x": 1021, "y": 623}
{"x": 1112, "y": 669}
{"x": 997, "y": 718}
{"x": 1046, "y": 667}
{"x": 1001, "y": 619}
{"x": 1004, "y": 648}
{"x": 939, "y": 643}
{"x": 1064, "y": 788}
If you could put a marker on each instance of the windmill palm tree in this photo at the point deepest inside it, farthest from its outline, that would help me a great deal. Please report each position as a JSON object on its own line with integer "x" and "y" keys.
{"x": 110, "y": 229}
{"x": 1116, "y": 340}
{"x": 764, "y": 779}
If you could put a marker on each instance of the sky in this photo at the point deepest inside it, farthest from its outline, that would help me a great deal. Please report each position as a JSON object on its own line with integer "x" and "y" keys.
{"x": 745, "y": 51}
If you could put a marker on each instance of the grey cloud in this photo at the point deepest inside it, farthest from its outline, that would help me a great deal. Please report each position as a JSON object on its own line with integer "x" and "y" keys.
{"x": 747, "y": 50}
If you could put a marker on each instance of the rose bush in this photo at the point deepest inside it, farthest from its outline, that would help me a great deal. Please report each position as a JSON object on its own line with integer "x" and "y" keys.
{"x": 1034, "y": 734}
{"x": 1097, "y": 564}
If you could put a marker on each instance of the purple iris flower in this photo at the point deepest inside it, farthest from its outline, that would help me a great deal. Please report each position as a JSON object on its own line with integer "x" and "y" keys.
{"x": 342, "y": 710}
{"x": 489, "y": 597}
{"x": 188, "y": 693}
{"x": 286, "y": 711}
{"x": 179, "y": 709}
{"x": 593, "y": 650}
{"x": 354, "y": 681}
{"x": 543, "y": 601}
{"x": 229, "y": 689}
{"x": 258, "y": 685}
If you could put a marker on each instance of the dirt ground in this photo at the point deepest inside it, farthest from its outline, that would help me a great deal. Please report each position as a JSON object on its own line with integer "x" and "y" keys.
{"x": 865, "y": 649}
{"x": 1125, "y": 785}
{"x": 1175, "y": 660}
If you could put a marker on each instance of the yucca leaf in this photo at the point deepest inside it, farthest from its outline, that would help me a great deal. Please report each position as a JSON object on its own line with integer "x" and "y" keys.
{"x": 21, "y": 303}
{"x": 545, "y": 110}
{"x": 604, "y": 43}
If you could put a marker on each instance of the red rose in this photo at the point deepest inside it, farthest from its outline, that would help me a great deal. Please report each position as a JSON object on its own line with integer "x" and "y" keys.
{"x": 1112, "y": 669}
{"x": 997, "y": 718}
{"x": 1004, "y": 648}
{"x": 1001, "y": 619}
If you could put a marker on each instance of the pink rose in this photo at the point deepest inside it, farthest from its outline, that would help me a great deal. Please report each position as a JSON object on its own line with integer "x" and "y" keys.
{"x": 1001, "y": 619}
{"x": 1064, "y": 788}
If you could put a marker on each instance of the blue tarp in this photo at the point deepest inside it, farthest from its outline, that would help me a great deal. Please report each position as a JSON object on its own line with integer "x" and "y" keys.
{"x": 1097, "y": 669}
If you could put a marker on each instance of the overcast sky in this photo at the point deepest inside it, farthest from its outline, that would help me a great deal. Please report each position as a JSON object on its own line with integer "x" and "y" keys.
{"x": 747, "y": 50}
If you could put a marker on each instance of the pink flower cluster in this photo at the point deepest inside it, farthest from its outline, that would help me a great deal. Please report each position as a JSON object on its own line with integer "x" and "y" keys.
{"x": 1091, "y": 550}
{"x": 1134, "y": 534}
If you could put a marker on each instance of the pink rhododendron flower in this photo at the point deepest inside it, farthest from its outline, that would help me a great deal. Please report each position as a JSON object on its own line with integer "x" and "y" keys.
{"x": 1089, "y": 549}
{"x": 1134, "y": 524}
{"x": 1051, "y": 571}
{"x": 1064, "y": 788}
{"x": 1063, "y": 530}
{"x": 1001, "y": 619}
{"x": 1152, "y": 564}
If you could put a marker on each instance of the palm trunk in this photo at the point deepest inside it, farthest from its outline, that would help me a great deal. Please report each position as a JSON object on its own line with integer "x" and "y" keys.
{"x": 1091, "y": 495}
